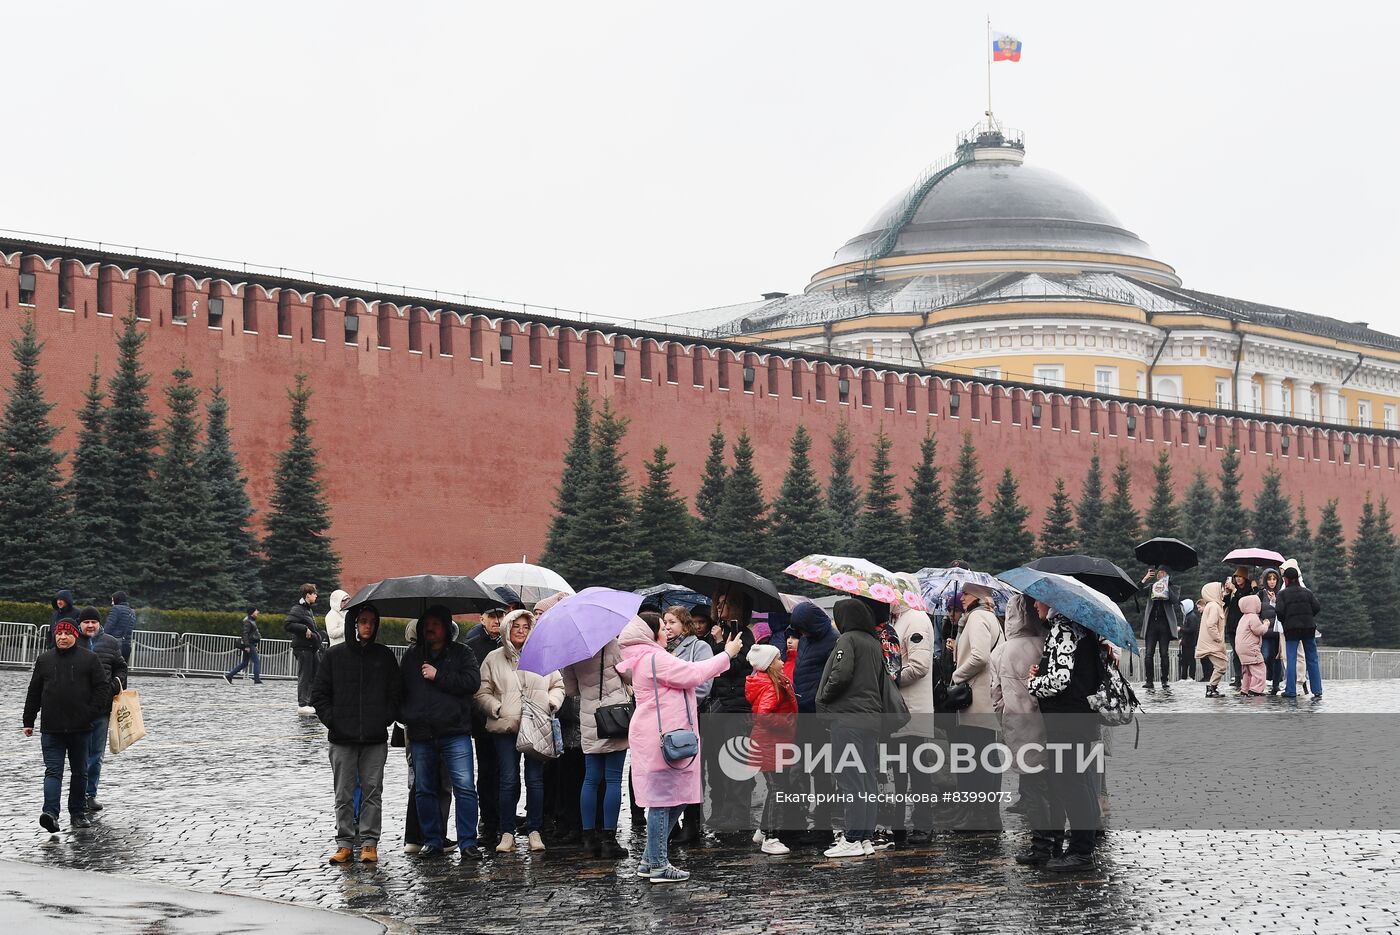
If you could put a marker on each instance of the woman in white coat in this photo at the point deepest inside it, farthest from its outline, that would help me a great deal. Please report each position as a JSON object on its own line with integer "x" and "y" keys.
{"x": 916, "y": 639}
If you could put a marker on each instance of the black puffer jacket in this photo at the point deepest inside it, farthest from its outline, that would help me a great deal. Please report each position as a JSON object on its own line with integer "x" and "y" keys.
{"x": 442, "y": 707}
{"x": 357, "y": 690}
{"x": 727, "y": 695}
{"x": 851, "y": 682}
{"x": 108, "y": 651}
{"x": 299, "y": 620}
{"x": 69, "y": 612}
{"x": 121, "y": 622}
{"x": 69, "y": 688}
{"x": 1297, "y": 607}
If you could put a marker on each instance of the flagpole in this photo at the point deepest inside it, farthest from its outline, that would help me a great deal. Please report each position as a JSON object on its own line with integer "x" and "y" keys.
{"x": 988, "y": 48}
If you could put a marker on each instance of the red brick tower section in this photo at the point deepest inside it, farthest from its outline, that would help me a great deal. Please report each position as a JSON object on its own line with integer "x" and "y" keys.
{"x": 441, "y": 430}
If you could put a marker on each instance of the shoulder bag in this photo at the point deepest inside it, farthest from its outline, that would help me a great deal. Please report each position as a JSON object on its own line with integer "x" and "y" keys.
{"x": 612, "y": 720}
{"x": 541, "y": 735}
{"x": 680, "y": 744}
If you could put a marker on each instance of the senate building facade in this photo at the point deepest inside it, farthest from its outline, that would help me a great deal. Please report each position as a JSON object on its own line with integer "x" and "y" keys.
{"x": 991, "y": 266}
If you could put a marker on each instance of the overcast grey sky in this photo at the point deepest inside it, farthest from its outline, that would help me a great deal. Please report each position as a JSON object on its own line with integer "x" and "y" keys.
{"x": 649, "y": 158}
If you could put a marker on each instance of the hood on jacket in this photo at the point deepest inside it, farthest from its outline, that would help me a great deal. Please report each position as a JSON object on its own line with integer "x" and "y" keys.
{"x": 65, "y": 595}
{"x": 1022, "y": 620}
{"x": 853, "y": 614}
{"x": 512, "y": 653}
{"x": 637, "y": 642}
{"x": 549, "y": 602}
{"x": 810, "y": 619}
{"x": 1250, "y": 604}
{"x": 336, "y": 597}
{"x": 353, "y": 630}
{"x": 879, "y": 610}
{"x": 1187, "y": 606}
{"x": 410, "y": 632}
{"x": 1213, "y": 593}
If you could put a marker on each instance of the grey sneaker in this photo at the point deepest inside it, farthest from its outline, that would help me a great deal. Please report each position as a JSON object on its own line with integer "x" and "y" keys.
{"x": 669, "y": 874}
{"x": 644, "y": 870}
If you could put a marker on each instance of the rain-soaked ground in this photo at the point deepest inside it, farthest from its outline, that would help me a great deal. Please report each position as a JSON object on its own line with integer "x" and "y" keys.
{"x": 231, "y": 793}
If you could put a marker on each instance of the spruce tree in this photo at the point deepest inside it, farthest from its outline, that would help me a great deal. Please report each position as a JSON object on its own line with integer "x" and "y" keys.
{"x": 618, "y": 554}
{"x": 1120, "y": 529}
{"x": 881, "y": 535}
{"x": 1007, "y": 542}
{"x": 741, "y": 529}
{"x": 561, "y": 541}
{"x": 1302, "y": 539}
{"x": 92, "y": 499}
{"x": 801, "y": 524}
{"x": 1343, "y": 620}
{"x": 230, "y": 507}
{"x": 1088, "y": 511}
{"x": 666, "y": 525}
{"x": 1198, "y": 531}
{"x": 1057, "y": 534}
{"x": 710, "y": 498}
{"x": 187, "y": 559}
{"x": 1163, "y": 517}
{"x": 298, "y": 545}
{"x": 928, "y": 520}
{"x": 1373, "y": 569}
{"x": 966, "y": 501}
{"x": 1271, "y": 525}
{"x": 34, "y": 532}
{"x": 842, "y": 492}
{"x": 1231, "y": 518}
{"x": 131, "y": 437}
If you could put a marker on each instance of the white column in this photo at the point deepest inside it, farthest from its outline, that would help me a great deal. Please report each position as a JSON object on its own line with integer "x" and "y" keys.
{"x": 1273, "y": 395}
{"x": 1331, "y": 403}
{"x": 1244, "y": 391}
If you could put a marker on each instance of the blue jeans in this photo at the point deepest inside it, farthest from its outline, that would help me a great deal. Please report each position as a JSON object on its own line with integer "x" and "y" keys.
{"x": 599, "y": 768}
{"x": 508, "y": 763}
{"x": 73, "y": 746}
{"x": 456, "y": 753}
{"x": 97, "y": 747}
{"x": 250, "y": 655}
{"x": 1314, "y": 666}
{"x": 661, "y": 821}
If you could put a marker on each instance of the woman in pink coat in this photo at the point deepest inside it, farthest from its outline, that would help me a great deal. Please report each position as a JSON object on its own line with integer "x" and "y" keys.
{"x": 1247, "y": 646}
{"x": 663, "y": 788}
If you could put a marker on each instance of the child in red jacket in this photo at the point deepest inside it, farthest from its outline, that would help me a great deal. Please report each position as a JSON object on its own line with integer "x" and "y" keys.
{"x": 770, "y": 694}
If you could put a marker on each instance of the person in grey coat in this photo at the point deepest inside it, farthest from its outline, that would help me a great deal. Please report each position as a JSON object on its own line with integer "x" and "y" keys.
{"x": 1161, "y": 623}
{"x": 1023, "y": 728}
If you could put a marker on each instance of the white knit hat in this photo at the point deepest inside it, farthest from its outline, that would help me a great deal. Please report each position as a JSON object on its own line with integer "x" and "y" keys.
{"x": 761, "y": 656}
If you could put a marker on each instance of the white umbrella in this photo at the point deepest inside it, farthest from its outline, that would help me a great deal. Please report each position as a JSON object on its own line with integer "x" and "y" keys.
{"x": 532, "y": 582}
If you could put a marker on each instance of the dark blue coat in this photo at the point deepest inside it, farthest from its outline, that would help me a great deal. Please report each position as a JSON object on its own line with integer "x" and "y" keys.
{"x": 121, "y": 622}
{"x": 818, "y": 640}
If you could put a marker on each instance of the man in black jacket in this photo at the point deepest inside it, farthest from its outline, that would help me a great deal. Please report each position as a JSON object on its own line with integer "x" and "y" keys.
{"x": 250, "y": 640}
{"x": 440, "y": 679}
{"x": 306, "y": 645}
{"x": 109, "y": 652}
{"x": 356, "y": 695}
{"x": 1297, "y": 607}
{"x": 481, "y": 640}
{"x": 69, "y": 689}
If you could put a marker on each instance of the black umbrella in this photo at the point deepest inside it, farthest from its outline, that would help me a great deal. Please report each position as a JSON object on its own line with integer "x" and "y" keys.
{"x": 410, "y": 597}
{"x": 1098, "y": 573}
{"x": 706, "y": 577}
{"x": 1173, "y": 553}
{"x": 667, "y": 595}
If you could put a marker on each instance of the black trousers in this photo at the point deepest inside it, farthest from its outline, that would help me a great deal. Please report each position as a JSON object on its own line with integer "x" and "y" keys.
{"x": 563, "y": 783}
{"x": 1186, "y": 661}
{"x": 978, "y": 779}
{"x": 307, "y": 660}
{"x": 731, "y": 801}
{"x": 1159, "y": 639}
{"x": 488, "y": 782}
{"x": 1070, "y": 797}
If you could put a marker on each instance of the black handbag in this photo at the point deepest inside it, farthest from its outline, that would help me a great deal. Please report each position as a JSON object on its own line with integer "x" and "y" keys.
{"x": 613, "y": 720}
{"x": 958, "y": 698}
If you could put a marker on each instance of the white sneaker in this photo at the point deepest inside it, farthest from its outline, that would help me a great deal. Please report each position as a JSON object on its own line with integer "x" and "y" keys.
{"x": 867, "y": 847}
{"x": 412, "y": 848}
{"x": 758, "y": 836}
{"x": 844, "y": 848}
{"x": 307, "y": 711}
{"x": 536, "y": 842}
{"x": 775, "y": 847}
{"x": 507, "y": 844}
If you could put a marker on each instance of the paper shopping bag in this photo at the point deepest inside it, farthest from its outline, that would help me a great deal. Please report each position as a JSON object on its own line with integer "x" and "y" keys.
{"x": 126, "y": 725}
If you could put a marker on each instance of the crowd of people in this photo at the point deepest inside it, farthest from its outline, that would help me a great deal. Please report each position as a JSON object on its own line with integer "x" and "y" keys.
{"x": 658, "y": 707}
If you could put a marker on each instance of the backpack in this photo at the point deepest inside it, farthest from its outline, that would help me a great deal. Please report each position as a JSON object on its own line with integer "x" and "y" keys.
{"x": 1114, "y": 702}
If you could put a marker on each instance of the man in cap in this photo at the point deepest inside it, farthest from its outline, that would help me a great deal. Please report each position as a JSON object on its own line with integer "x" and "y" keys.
{"x": 108, "y": 651}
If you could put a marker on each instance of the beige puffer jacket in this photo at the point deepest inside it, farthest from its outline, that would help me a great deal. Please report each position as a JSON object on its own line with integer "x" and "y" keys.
{"x": 581, "y": 679}
{"x": 502, "y": 684}
{"x": 1210, "y": 639}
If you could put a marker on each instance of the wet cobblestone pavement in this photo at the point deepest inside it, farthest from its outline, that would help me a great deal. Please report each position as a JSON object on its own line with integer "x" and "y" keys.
{"x": 231, "y": 793}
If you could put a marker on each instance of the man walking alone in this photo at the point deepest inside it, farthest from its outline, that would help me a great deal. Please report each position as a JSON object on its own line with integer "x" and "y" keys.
{"x": 67, "y": 692}
{"x": 356, "y": 695}
{"x": 306, "y": 644}
{"x": 251, "y": 638}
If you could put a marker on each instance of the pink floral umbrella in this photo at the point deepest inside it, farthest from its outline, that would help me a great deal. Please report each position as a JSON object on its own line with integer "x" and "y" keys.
{"x": 855, "y": 576}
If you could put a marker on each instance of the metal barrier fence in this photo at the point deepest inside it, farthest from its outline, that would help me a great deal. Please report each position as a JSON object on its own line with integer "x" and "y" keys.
{"x": 160, "y": 652}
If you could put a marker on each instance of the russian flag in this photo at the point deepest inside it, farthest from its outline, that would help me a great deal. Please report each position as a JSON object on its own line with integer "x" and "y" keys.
{"x": 1005, "y": 47}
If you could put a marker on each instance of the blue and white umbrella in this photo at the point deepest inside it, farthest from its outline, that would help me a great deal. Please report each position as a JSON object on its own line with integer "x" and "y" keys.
{"x": 941, "y": 586}
{"x": 1075, "y": 600}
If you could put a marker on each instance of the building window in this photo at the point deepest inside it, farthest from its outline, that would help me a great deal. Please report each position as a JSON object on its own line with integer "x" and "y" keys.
{"x": 65, "y": 284}
{"x": 216, "y": 313}
{"x": 843, "y": 390}
{"x": 1106, "y": 380}
{"x": 1166, "y": 389}
{"x": 507, "y": 348}
{"x": 1341, "y": 413}
{"x": 1363, "y": 413}
{"x": 1389, "y": 415}
{"x": 1141, "y": 384}
{"x": 1050, "y": 374}
{"x": 1312, "y": 404}
{"x": 748, "y": 379}
{"x": 352, "y": 329}
{"x": 1286, "y": 401}
{"x": 987, "y": 373}
{"x": 619, "y": 362}
{"x": 26, "y": 288}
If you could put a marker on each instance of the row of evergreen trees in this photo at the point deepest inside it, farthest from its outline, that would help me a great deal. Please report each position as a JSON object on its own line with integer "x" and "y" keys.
{"x": 162, "y": 513}
{"x": 601, "y": 533}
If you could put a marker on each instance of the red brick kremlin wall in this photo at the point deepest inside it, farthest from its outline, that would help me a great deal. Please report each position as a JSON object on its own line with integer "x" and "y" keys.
{"x": 440, "y": 456}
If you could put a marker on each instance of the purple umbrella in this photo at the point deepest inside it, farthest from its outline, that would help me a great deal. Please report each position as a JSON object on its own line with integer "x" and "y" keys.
{"x": 1262, "y": 557}
{"x": 577, "y": 627}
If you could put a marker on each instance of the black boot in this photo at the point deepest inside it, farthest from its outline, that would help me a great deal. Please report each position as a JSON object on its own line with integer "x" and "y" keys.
{"x": 590, "y": 843}
{"x": 609, "y": 848}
